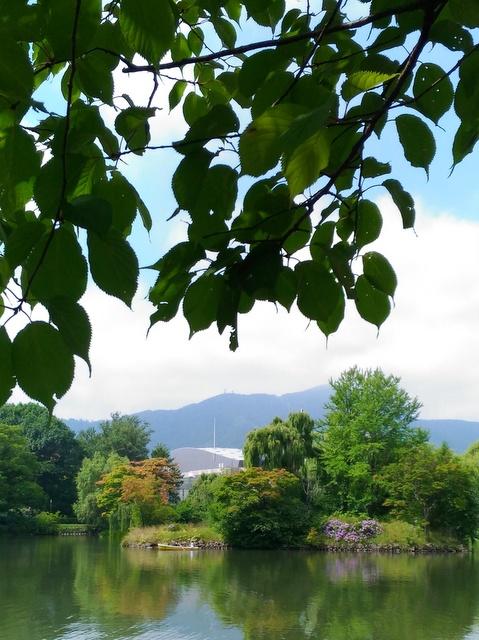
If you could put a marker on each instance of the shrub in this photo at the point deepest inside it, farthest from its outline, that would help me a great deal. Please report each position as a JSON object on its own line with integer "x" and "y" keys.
{"x": 46, "y": 523}
{"x": 195, "y": 507}
{"x": 358, "y": 532}
{"x": 259, "y": 508}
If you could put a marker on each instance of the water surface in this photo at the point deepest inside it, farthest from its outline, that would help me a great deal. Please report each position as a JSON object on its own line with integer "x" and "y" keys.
{"x": 90, "y": 589}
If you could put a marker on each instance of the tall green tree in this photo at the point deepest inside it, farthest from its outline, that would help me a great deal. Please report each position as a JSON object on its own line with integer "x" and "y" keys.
{"x": 367, "y": 425}
{"x": 54, "y": 446}
{"x": 127, "y": 436}
{"x": 274, "y": 172}
{"x": 19, "y": 470}
{"x": 86, "y": 508}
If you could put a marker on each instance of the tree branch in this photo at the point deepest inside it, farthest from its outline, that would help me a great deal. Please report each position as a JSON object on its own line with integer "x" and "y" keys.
{"x": 278, "y": 42}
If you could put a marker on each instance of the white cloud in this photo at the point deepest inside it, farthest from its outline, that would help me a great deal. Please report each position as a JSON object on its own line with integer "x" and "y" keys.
{"x": 431, "y": 339}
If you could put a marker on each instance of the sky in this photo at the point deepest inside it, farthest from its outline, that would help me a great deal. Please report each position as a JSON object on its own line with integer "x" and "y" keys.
{"x": 431, "y": 339}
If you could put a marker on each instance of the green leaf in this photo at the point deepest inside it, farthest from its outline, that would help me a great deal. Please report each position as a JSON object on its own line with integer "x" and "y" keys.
{"x": 274, "y": 86}
{"x": 7, "y": 379}
{"x": 178, "y": 259}
{"x": 216, "y": 192}
{"x": 260, "y": 271}
{"x": 379, "y": 272}
{"x": 6, "y": 273}
{"x": 201, "y": 301}
{"x": 42, "y": 363}
{"x": 433, "y": 91}
{"x": 331, "y": 325}
{"x": 16, "y": 72}
{"x": 255, "y": 69}
{"x": 226, "y": 32}
{"x": 89, "y": 212}
{"x": 451, "y": 35}
{"x": 286, "y": 287}
{"x": 58, "y": 18}
{"x": 299, "y": 238}
{"x": 217, "y": 123}
{"x": 57, "y": 267}
{"x": 260, "y": 146}
{"x": 366, "y": 80}
{"x": 194, "y": 107}
{"x": 340, "y": 257}
{"x": 403, "y": 201}
{"x": 233, "y": 9}
{"x": 372, "y": 305}
{"x": 322, "y": 239}
{"x": 180, "y": 48}
{"x": 417, "y": 141}
{"x": 368, "y": 224}
{"x": 304, "y": 165}
{"x": 19, "y": 166}
{"x": 21, "y": 241}
{"x": 132, "y": 124}
{"x": 267, "y": 14}
{"x": 148, "y": 29}
{"x": 122, "y": 198}
{"x": 190, "y": 176}
{"x": 318, "y": 291}
{"x": 372, "y": 168}
{"x": 167, "y": 294}
{"x": 82, "y": 171}
{"x": 94, "y": 75}
{"x": 144, "y": 213}
{"x": 464, "y": 142}
{"x": 113, "y": 266}
{"x": 466, "y": 12}
{"x": 74, "y": 326}
{"x": 176, "y": 93}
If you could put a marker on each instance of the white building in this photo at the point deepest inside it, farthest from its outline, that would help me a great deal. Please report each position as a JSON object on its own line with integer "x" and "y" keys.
{"x": 194, "y": 461}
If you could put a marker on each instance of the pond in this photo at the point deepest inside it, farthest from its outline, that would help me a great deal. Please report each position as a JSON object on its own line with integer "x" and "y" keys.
{"x": 91, "y": 589}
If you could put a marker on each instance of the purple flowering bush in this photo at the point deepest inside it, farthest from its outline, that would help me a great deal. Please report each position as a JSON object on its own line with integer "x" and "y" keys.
{"x": 361, "y": 531}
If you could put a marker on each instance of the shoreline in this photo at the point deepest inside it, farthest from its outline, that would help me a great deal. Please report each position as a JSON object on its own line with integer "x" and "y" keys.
{"x": 386, "y": 549}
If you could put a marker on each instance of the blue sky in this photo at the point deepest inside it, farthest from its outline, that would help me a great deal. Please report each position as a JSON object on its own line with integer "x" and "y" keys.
{"x": 431, "y": 339}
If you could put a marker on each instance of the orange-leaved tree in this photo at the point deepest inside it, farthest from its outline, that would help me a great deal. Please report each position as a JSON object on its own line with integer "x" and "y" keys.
{"x": 140, "y": 492}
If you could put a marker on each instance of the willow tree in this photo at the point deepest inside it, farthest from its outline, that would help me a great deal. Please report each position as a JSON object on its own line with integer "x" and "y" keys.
{"x": 281, "y": 444}
{"x": 274, "y": 172}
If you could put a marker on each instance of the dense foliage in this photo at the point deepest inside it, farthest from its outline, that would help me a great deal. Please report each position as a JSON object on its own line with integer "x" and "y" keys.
{"x": 367, "y": 459}
{"x": 367, "y": 425}
{"x": 281, "y": 444}
{"x": 18, "y": 472}
{"x": 127, "y": 436}
{"x": 259, "y": 508}
{"x": 196, "y": 506}
{"x": 274, "y": 173}
{"x": 92, "y": 470}
{"x": 57, "y": 452}
{"x": 136, "y": 493}
{"x": 436, "y": 488}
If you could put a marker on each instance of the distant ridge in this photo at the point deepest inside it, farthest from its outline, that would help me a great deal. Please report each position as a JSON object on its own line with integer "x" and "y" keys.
{"x": 235, "y": 414}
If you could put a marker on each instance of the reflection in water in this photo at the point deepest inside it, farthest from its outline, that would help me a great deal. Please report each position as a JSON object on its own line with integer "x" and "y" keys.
{"x": 87, "y": 589}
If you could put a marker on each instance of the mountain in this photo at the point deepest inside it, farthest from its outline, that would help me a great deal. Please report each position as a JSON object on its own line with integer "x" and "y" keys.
{"x": 235, "y": 414}
{"x": 458, "y": 434}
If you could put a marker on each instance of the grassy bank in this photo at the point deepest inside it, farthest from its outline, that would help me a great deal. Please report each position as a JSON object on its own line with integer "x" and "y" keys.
{"x": 396, "y": 536}
{"x": 198, "y": 535}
